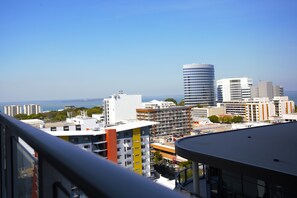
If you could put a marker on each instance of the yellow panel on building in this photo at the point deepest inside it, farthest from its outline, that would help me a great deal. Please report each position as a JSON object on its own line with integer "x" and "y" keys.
{"x": 137, "y": 166}
{"x": 66, "y": 138}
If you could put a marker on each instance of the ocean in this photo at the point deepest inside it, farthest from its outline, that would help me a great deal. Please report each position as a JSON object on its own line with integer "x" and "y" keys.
{"x": 54, "y": 105}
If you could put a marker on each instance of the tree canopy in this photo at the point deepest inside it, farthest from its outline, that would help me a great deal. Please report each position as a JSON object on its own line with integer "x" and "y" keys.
{"x": 182, "y": 103}
{"x": 55, "y": 116}
{"x": 171, "y": 100}
{"x": 158, "y": 158}
{"x": 214, "y": 119}
{"x": 228, "y": 119}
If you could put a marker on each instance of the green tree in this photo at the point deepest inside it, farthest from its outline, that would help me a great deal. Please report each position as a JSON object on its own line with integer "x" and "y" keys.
{"x": 296, "y": 108}
{"x": 185, "y": 164}
{"x": 182, "y": 103}
{"x": 214, "y": 119}
{"x": 158, "y": 158}
{"x": 171, "y": 100}
{"x": 226, "y": 119}
{"x": 94, "y": 110}
{"x": 237, "y": 119}
{"x": 21, "y": 117}
{"x": 199, "y": 106}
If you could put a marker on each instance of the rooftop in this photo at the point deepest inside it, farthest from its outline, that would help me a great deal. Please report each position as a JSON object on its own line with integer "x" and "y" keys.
{"x": 262, "y": 150}
{"x": 119, "y": 128}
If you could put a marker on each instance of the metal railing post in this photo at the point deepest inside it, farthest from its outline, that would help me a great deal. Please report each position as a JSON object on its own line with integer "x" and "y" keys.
{"x": 2, "y": 161}
{"x": 8, "y": 163}
{"x": 196, "y": 186}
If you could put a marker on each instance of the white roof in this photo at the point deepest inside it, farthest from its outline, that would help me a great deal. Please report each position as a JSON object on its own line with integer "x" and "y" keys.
{"x": 132, "y": 125}
{"x": 33, "y": 121}
{"x": 74, "y": 133}
{"x": 122, "y": 127}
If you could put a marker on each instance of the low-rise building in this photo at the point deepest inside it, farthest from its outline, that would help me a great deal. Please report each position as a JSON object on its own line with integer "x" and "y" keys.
{"x": 292, "y": 117}
{"x": 260, "y": 109}
{"x": 35, "y": 123}
{"x": 157, "y": 104}
{"x": 174, "y": 120}
{"x": 205, "y": 112}
{"x": 234, "y": 107}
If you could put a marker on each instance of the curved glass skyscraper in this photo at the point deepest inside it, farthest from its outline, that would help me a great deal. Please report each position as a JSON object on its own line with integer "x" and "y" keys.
{"x": 199, "y": 84}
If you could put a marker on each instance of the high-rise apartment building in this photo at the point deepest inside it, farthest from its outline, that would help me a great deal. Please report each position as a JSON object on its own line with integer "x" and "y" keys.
{"x": 120, "y": 107}
{"x": 230, "y": 89}
{"x": 126, "y": 144}
{"x": 266, "y": 89}
{"x": 12, "y": 110}
{"x": 199, "y": 84}
{"x": 31, "y": 109}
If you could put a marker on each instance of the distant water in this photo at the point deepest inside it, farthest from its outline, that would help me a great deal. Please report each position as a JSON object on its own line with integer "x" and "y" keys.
{"x": 292, "y": 95}
{"x": 54, "y": 105}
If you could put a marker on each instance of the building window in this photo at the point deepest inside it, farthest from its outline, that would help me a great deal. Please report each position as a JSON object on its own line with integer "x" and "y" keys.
{"x": 77, "y": 127}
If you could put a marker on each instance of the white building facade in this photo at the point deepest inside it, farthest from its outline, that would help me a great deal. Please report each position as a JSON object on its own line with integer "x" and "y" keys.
{"x": 205, "y": 112}
{"x": 12, "y": 110}
{"x": 230, "y": 89}
{"x": 260, "y": 109}
{"x": 120, "y": 107}
{"x": 156, "y": 104}
{"x": 283, "y": 105}
{"x": 31, "y": 109}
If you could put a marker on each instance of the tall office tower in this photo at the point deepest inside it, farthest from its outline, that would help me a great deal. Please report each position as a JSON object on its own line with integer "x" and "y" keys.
{"x": 266, "y": 89}
{"x": 230, "y": 89}
{"x": 278, "y": 90}
{"x": 120, "y": 107}
{"x": 199, "y": 84}
{"x": 262, "y": 90}
{"x": 32, "y": 109}
{"x": 12, "y": 110}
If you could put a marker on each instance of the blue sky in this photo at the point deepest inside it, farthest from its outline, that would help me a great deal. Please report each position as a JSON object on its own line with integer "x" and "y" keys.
{"x": 93, "y": 48}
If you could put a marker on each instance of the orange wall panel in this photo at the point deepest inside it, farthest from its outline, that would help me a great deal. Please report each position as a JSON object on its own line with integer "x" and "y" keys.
{"x": 111, "y": 138}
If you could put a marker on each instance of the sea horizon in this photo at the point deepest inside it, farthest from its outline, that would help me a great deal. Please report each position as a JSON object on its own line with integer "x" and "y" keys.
{"x": 59, "y": 104}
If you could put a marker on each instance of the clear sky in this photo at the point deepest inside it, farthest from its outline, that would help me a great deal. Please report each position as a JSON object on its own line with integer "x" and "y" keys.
{"x": 72, "y": 49}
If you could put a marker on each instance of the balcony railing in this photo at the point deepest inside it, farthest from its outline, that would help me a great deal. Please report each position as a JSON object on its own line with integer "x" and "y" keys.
{"x": 184, "y": 180}
{"x": 60, "y": 169}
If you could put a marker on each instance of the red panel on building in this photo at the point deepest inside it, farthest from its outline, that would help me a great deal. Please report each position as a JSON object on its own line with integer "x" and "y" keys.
{"x": 111, "y": 138}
